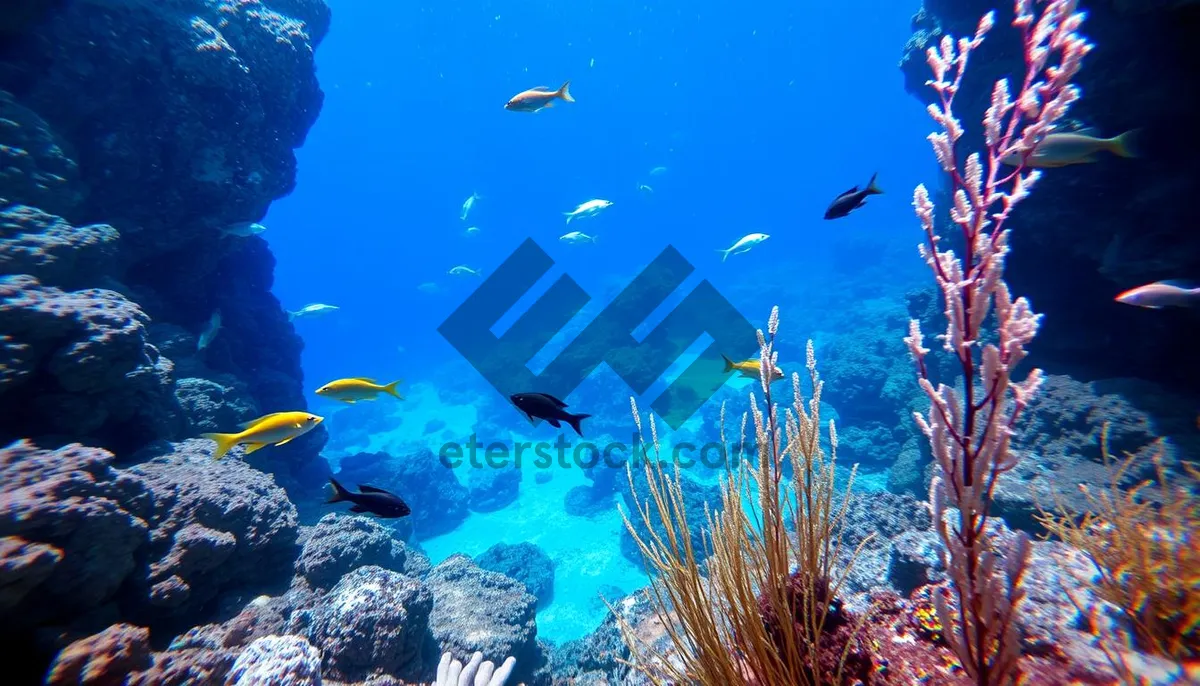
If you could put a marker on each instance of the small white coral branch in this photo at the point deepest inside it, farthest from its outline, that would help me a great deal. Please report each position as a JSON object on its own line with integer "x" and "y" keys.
{"x": 476, "y": 672}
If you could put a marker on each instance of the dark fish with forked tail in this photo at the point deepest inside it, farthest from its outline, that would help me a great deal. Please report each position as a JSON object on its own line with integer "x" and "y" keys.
{"x": 851, "y": 200}
{"x": 370, "y": 499}
{"x": 546, "y": 406}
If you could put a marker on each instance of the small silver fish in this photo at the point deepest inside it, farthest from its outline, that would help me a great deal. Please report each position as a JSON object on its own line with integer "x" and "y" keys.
{"x": 1161, "y": 294}
{"x": 468, "y": 205}
{"x": 588, "y": 209}
{"x": 577, "y": 237}
{"x": 463, "y": 270}
{"x": 243, "y": 229}
{"x": 312, "y": 309}
{"x": 210, "y": 332}
{"x": 743, "y": 245}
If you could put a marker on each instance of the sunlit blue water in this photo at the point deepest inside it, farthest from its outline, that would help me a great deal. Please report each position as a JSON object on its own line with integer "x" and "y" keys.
{"x": 760, "y": 114}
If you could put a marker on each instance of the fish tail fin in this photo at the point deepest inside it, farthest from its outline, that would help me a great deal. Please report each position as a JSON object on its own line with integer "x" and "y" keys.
{"x": 340, "y": 494}
{"x": 291, "y": 315}
{"x": 724, "y": 253}
{"x": 871, "y": 187}
{"x": 565, "y": 92}
{"x": 391, "y": 388}
{"x": 1125, "y": 145}
{"x": 569, "y": 217}
{"x": 574, "y": 419}
{"x": 728, "y": 362}
{"x": 224, "y": 443}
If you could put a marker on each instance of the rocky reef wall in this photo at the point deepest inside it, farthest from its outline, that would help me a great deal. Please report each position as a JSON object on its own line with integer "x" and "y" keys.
{"x": 1090, "y": 231}
{"x": 131, "y": 134}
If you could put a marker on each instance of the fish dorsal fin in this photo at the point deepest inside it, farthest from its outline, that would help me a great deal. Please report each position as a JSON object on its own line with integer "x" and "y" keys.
{"x": 542, "y": 89}
{"x": 1087, "y": 131}
{"x": 252, "y": 422}
{"x": 364, "y": 378}
{"x": 368, "y": 488}
{"x": 552, "y": 399}
{"x": 853, "y": 189}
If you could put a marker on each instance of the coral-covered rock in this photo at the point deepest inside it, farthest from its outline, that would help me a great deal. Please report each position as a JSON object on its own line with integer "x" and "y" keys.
{"x": 79, "y": 364}
{"x": 373, "y": 620}
{"x": 108, "y": 657}
{"x": 277, "y": 660}
{"x": 524, "y": 562}
{"x": 485, "y": 611}
{"x": 214, "y": 405}
{"x": 216, "y": 525}
{"x": 340, "y": 544}
{"x": 51, "y": 250}
{"x": 34, "y": 168}
{"x": 201, "y": 106}
{"x": 72, "y": 529}
{"x": 1059, "y": 444}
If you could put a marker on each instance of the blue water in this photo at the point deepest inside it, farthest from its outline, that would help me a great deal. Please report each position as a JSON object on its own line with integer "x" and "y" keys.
{"x": 761, "y": 114}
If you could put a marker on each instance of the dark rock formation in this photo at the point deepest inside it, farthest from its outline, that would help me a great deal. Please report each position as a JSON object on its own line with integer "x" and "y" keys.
{"x": 84, "y": 544}
{"x": 341, "y": 543}
{"x": 373, "y": 620}
{"x": 491, "y": 489}
{"x": 479, "y": 610}
{"x": 78, "y": 364}
{"x": 73, "y": 528}
{"x": 130, "y": 134}
{"x": 215, "y": 525}
{"x": 1090, "y": 231}
{"x": 524, "y": 562}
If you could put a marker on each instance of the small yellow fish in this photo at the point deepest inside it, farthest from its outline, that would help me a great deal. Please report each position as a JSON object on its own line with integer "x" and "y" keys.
{"x": 749, "y": 369}
{"x": 357, "y": 388}
{"x": 276, "y": 428}
{"x": 1080, "y": 147}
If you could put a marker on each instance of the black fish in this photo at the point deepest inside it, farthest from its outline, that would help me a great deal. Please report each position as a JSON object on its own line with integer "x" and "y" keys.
{"x": 851, "y": 200}
{"x": 546, "y": 406}
{"x": 370, "y": 499}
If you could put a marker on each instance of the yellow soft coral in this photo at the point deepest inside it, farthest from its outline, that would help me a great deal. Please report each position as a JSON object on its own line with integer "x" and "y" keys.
{"x": 1144, "y": 543}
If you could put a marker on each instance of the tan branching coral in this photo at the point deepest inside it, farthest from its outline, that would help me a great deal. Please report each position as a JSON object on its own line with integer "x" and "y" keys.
{"x": 764, "y": 611}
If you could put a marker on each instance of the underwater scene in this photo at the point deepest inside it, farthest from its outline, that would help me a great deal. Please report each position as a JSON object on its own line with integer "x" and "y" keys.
{"x": 638, "y": 342}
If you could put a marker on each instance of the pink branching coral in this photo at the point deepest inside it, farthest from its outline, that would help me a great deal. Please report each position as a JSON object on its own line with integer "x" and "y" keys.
{"x": 969, "y": 429}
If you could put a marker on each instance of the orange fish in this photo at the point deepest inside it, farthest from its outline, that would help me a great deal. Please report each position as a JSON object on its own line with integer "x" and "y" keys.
{"x": 535, "y": 99}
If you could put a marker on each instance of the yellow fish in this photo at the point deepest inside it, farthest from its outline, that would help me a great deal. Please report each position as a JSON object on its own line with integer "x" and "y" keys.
{"x": 276, "y": 428}
{"x": 749, "y": 369}
{"x": 357, "y": 388}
